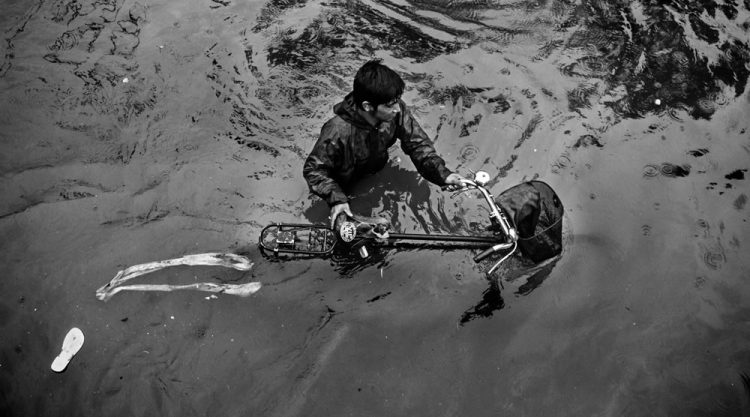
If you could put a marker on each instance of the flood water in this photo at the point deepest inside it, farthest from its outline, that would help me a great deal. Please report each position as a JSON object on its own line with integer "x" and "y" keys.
{"x": 135, "y": 131}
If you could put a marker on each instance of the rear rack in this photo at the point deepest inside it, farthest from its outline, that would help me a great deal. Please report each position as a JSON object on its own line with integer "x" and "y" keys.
{"x": 297, "y": 239}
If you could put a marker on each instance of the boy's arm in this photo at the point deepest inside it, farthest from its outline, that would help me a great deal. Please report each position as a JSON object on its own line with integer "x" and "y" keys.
{"x": 319, "y": 166}
{"x": 418, "y": 146}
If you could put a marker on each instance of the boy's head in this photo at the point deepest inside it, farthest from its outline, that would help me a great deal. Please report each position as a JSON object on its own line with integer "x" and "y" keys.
{"x": 376, "y": 84}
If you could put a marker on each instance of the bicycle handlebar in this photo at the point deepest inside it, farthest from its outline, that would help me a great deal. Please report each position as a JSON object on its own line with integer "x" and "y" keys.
{"x": 495, "y": 212}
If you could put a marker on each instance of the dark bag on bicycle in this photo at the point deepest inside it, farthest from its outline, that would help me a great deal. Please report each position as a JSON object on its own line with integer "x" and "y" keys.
{"x": 537, "y": 212}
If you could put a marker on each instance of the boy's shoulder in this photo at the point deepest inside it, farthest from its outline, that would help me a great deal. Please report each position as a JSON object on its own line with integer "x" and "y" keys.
{"x": 340, "y": 127}
{"x": 336, "y": 120}
{"x": 332, "y": 131}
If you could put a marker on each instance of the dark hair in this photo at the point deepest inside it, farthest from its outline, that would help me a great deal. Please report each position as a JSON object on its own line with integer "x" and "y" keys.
{"x": 377, "y": 84}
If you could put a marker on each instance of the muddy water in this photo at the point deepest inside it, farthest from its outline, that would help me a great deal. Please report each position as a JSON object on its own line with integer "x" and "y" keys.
{"x": 135, "y": 131}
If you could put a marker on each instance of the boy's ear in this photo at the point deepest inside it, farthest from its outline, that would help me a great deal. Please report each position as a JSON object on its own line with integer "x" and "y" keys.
{"x": 366, "y": 106}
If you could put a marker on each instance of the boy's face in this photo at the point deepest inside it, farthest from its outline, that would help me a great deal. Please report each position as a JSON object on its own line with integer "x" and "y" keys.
{"x": 385, "y": 112}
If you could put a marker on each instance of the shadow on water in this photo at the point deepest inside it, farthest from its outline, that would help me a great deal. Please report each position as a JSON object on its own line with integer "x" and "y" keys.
{"x": 516, "y": 270}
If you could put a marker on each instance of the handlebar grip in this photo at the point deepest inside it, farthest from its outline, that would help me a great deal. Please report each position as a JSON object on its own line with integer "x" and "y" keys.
{"x": 487, "y": 252}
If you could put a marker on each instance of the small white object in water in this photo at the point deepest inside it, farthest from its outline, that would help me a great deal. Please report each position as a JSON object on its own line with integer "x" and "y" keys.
{"x": 125, "y": 80}
{"x": 71, "y": 345}
{"x": 657, "y": 102}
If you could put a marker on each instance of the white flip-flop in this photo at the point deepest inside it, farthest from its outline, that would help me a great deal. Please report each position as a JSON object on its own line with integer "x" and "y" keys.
{"x": 71, "y": 345}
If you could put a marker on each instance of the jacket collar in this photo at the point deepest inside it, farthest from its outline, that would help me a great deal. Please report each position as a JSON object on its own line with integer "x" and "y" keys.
{"x": 352, "y": 114}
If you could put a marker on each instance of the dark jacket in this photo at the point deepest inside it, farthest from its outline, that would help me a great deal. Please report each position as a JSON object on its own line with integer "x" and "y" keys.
{"x": 349, "y": 147}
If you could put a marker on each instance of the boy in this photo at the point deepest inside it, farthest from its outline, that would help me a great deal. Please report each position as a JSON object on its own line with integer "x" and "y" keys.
{"x": 355, "y": 142}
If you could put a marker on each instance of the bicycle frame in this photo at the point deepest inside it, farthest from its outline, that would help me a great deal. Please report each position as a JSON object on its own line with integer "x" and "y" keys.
{"x": 309, "y": 240}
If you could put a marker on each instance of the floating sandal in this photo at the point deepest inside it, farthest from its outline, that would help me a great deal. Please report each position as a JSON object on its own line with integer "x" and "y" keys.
{"x": 71, "y": 345}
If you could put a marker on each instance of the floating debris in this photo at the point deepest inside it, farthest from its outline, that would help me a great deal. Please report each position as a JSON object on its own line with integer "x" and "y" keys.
{"x": 228, "y": 260}
{"x": 736, "y": 175}
{"x": 586, "y": 141}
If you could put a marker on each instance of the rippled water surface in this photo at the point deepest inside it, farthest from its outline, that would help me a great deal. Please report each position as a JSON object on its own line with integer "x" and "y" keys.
{"x": 134, "y": 131}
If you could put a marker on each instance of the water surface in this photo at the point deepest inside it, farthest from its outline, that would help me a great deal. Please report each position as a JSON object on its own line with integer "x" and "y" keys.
{"x": 135, "y": 131}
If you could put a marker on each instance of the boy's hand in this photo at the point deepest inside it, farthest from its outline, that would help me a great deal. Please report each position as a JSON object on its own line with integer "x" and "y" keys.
{"x": 454, "y": 182}
{"x": 338, "y": 209}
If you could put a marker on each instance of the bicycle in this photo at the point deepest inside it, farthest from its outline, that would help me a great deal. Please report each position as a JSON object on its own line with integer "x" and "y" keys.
{"x": 310, "y": 240}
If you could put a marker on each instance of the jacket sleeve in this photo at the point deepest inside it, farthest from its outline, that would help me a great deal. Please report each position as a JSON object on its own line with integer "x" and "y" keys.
{"x": 418, "y": 146}
{"x": 320, "y": 166}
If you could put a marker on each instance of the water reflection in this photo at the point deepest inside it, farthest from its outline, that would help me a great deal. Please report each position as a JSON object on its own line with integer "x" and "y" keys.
{"x": 519, "y": 272}
{"x": 397, "y": 194}
{"x": 643, "y": 57}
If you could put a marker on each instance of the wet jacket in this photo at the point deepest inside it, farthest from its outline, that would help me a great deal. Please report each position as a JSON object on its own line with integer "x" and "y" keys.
{"x": 349, "y": 148}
